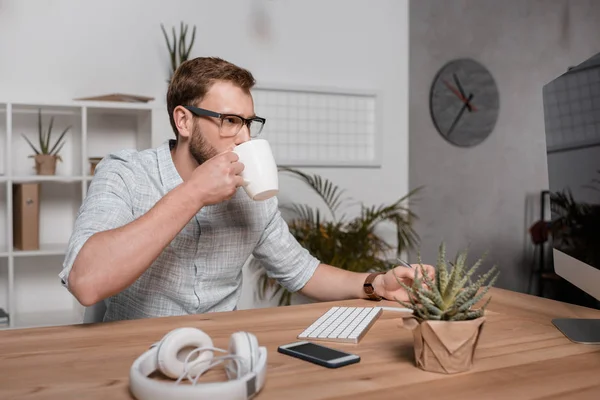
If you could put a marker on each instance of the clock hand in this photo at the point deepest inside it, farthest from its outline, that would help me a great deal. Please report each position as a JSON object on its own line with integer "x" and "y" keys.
{"x": 456, "y": 92}
{"x": 471, "y": 107}
{"x": 460, "y": 113}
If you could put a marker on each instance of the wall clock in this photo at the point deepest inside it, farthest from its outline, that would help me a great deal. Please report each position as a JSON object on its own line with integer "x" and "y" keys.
{"x": 464, "y": 102}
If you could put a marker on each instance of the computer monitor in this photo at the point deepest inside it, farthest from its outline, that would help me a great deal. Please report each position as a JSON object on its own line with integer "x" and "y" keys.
{"x": 572, "y": 125}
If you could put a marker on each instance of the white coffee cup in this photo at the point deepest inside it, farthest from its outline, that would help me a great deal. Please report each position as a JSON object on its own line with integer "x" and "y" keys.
{"x": 260, "y": 170}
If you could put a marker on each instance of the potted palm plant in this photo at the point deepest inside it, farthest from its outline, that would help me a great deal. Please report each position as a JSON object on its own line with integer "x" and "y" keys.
{"x": 446, "y": 327}
{"x": 45, "y": 155}
{"x": 347, "y": 243}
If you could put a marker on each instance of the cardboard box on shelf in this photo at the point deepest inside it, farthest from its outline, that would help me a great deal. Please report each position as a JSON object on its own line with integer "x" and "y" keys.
{"x": 26, "y": 216}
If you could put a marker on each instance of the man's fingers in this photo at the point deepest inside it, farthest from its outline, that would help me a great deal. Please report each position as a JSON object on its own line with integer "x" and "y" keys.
{"x": 239, "y": 181}
{"x": 230, "y": 156}
{"x": 237, "y": 167}
{"x": 404, "y": 273}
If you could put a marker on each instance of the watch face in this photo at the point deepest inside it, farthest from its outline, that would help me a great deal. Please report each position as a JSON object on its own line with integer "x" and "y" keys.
{"x": 464, "y": 102}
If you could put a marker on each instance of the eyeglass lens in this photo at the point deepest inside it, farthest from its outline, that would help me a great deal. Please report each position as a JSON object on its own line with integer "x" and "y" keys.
{"x": 231, "y": 126}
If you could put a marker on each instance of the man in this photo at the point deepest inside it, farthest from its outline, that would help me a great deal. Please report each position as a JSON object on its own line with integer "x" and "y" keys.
{"x": 166, "y": 231}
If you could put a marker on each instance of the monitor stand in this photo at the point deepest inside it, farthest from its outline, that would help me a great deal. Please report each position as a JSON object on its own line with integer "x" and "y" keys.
{"x": 579, "y": 330}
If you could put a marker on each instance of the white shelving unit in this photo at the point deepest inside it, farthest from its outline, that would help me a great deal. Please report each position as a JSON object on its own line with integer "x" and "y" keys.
{"x": 30, "y": 290}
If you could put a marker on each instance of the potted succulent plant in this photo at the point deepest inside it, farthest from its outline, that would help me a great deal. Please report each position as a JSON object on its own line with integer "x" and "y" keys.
{"x": 46, "y": 156}
{"x": 445, "y": 325}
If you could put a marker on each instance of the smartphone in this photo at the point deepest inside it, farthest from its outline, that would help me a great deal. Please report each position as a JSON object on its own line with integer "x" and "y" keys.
{"x": 318, "y": 354}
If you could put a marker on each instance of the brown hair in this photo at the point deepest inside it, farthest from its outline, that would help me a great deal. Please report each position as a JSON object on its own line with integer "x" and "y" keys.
{"x": 193, "y": 78}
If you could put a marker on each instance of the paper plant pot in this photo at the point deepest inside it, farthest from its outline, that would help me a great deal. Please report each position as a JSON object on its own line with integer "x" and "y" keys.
{"x": 45, "y": 164}
{"x": 445, "y": 347}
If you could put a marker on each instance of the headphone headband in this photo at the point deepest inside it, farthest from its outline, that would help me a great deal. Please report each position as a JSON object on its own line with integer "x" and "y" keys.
{"x": 144, "y": 388}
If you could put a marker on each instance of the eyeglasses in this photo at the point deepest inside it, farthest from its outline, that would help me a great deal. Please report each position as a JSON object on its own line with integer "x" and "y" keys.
{"x": 231, "y": 124}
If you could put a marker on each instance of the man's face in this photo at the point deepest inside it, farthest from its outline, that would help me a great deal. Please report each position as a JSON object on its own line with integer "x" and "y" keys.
{"x": 206, "y": 140}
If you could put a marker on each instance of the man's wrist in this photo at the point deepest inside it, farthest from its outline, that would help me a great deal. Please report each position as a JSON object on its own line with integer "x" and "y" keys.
{"x": 378, "y": 286}
{"x": 193, "y": 194}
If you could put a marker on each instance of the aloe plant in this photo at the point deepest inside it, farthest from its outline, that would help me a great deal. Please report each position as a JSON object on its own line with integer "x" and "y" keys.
{"x": 452, "y": 295}
{"x": 179, "y": 51}
{"x": 44, "y": 139}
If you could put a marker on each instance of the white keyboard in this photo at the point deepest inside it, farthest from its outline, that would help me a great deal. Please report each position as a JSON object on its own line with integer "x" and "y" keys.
{"x": 342, "y": 324}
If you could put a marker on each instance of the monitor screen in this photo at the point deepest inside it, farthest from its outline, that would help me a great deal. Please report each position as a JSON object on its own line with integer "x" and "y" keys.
{"x": 572, "y": 125}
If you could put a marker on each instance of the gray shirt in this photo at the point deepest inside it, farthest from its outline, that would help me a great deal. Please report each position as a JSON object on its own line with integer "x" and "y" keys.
{"x": 201, "y": 269}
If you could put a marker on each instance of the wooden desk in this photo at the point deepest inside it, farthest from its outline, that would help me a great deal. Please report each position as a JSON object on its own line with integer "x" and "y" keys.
{"x": 521, "y": 355}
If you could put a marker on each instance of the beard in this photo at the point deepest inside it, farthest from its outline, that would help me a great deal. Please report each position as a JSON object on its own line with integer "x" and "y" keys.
{"x": 200, "y": 149}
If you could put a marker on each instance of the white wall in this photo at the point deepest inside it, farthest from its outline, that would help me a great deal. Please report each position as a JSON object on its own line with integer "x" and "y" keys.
{"x": 64, "y": 49}
{"x": 478, "y": 196}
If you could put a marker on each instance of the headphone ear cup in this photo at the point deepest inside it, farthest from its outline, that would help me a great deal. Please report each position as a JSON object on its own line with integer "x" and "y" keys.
{"x": 245, "y": 346}
{"x": 176, "y": 345}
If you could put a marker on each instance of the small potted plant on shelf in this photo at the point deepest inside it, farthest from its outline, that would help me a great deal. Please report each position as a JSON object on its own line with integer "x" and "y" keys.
{"x": 46, "y": 156}
{"x": 445, "y": 326}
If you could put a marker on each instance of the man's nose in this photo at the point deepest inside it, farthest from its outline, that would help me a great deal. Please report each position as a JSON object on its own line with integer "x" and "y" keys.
{"x": 243, "y": 135}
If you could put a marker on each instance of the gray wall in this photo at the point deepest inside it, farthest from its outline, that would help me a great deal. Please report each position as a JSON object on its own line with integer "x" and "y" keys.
{"x": 485, "y": 197}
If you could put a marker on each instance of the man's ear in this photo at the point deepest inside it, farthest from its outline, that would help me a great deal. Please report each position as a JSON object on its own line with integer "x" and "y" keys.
{"x": 183, "y": 121}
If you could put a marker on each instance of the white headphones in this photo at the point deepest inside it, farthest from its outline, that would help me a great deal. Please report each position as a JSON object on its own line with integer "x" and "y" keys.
{"x": 188, "y": 353}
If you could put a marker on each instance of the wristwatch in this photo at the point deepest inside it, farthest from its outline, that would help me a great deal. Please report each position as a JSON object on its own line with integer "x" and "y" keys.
{"x": 368, "y": 286}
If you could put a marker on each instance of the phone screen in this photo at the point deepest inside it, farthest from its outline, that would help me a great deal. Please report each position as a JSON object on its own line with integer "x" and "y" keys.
{"x": 320, "y": 352}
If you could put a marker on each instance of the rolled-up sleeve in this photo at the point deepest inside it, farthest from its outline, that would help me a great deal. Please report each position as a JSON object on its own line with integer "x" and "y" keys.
{"x": 282, "y": 256}
{"x": 107, "y": 205}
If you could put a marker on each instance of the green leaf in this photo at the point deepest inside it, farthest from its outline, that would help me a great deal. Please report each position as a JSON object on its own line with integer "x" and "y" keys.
{"x": 325, "y": 189}
{"x": 466, "y": 278}
{"x": 59, "y": 149}
{"x": 428, "y": 304}
{"x": 58, "y": 141}
{"x": 441, "y": 269}
{"x": 166, "y": 38}
{"x": 474, "y": 288}
{"x": 457, "y": 271}
{"x": 433, "y": 292}
{"x": 189, "y": 49}
{"x": 30, "y": 144}
{"x": 470, "y": 303}
{"x": 40, "y": 132}
{"x": 404, "y": 304}
{"x": 47, "y": 144}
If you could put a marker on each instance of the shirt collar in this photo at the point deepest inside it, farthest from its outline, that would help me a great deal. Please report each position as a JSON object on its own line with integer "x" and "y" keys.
{"x": 166, "y": 168}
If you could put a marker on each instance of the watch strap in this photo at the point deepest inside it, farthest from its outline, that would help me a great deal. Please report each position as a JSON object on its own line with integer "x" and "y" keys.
{"x": 368, "y": 286}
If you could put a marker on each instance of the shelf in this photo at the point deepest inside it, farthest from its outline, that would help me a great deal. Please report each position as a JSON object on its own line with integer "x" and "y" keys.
{"x": 97, "y": 129}
{"x": 110, "y": 131}
{"x": 43, "y": 318}
{"x": 47, "y": 178}
{"x": 87, "y": 103}
{"x": 45, "y": 250}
